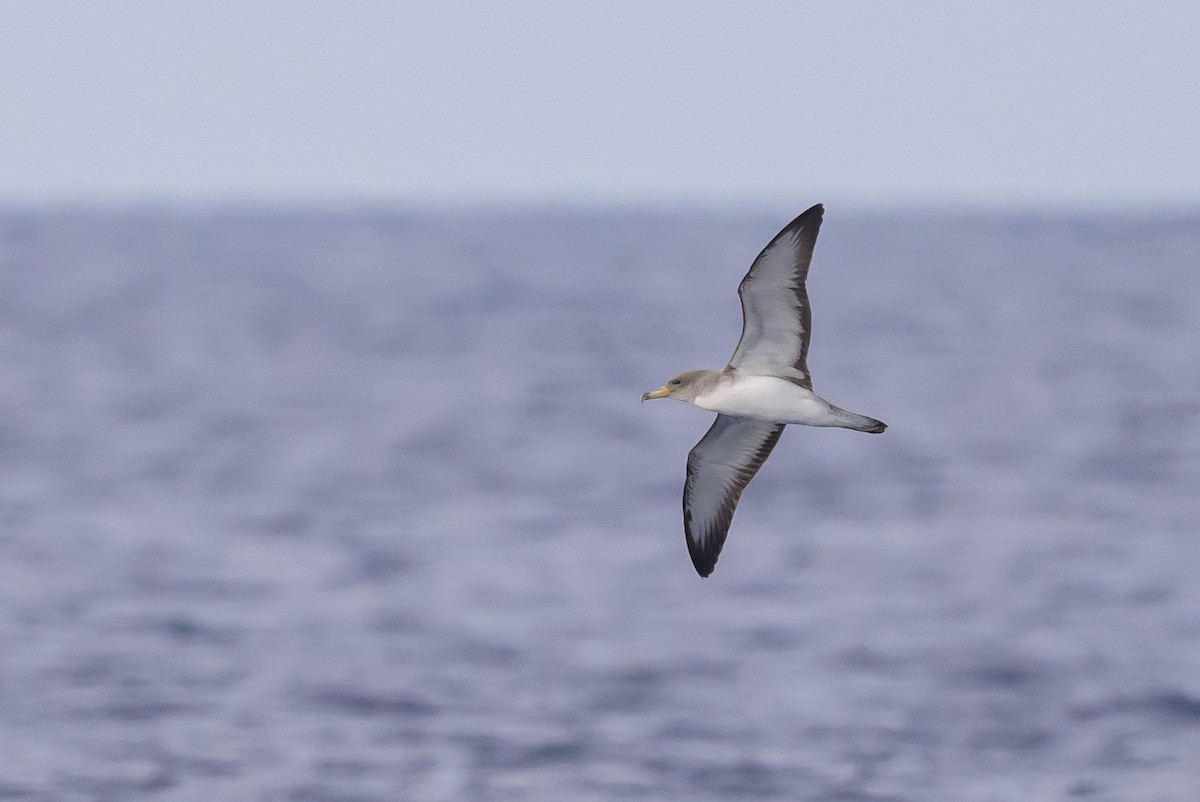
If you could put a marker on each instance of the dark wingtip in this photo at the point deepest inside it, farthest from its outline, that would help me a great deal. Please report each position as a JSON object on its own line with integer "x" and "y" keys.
{"x": 703, "y": 562}
{"x": 810, "y": 216}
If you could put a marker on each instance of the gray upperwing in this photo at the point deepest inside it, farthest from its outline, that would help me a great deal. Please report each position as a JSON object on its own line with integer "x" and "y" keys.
{"x": 718, "y": 470}
{"x": 776, "y": 319}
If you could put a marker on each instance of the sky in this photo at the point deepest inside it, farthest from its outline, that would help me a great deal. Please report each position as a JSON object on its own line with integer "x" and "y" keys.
{"x": 1079, "y": 104}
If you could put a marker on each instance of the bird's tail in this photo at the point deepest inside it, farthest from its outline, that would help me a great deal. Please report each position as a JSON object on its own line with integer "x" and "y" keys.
{"x": 859, "y": 423}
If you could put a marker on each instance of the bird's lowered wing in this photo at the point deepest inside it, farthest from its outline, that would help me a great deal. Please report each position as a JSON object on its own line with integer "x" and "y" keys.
{"x": 776, "y": 319}
{"x": 718, "y": 470}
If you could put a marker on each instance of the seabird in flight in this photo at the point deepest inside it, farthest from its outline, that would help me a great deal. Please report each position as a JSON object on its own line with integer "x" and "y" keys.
{"x": 765, "y": 386}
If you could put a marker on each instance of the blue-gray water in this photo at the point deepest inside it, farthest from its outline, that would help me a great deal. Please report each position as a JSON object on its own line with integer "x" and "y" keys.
{"x": 363, "y": 506}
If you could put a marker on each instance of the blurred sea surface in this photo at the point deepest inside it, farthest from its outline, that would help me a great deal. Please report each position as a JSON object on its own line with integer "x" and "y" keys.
{"x": 361, "y": 505}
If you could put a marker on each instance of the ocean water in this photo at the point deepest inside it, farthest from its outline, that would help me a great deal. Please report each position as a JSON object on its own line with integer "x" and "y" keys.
{"x": 362, "y": 505}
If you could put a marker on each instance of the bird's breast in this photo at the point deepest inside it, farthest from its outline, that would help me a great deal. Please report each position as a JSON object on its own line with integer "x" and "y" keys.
{"x": 765, "y": 398}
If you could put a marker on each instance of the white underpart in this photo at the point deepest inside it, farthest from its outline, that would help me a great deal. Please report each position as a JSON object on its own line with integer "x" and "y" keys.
{"x": 768, "y": 398}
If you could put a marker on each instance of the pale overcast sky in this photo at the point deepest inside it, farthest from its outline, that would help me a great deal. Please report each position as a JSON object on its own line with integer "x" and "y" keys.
{"x": 1012, "y": 103}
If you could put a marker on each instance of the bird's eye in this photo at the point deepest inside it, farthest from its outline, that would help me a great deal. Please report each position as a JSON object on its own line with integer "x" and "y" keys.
{"x": 676, "y": 381}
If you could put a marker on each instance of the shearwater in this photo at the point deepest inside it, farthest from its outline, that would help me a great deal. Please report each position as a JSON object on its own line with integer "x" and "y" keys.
{"x": 765, "y": 386}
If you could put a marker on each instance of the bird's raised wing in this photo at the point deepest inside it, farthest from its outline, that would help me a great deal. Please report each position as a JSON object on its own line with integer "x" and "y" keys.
{"x": 718, "y": 470}
{"x": 776, "y": 320}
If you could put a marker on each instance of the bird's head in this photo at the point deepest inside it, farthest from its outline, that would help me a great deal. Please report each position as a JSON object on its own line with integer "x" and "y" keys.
{"x": 683, "y": 387}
